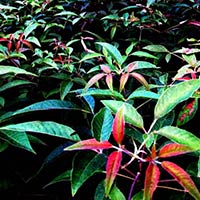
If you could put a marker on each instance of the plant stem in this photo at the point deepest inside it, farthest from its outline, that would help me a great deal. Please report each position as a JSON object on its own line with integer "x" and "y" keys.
{"x": 132, "y": 186}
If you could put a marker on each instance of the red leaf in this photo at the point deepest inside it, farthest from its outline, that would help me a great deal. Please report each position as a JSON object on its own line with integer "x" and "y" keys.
{"x": 28, "y": 44}
{"x": 112, "y": 168}
{"x": 141, "y": 79}
{"x": 196, "y": 23}
{"x": 109, "y": 81}
{"x": 3, "y": 40}
{"x": 153, "y": 152}
{"x": 105, "y": 69}
{"x": 118, "y": 126}
{"x": 173, "y": 149}
{"x": 123, "y": 81}
{"x": 187, "y": 112}
{"x": 151, "y": 180}
{"x": 94, "y": 79}
{"x": 131, "y": 67}
{"x": 182, "y": 177}
{"x": 90, "y": 144}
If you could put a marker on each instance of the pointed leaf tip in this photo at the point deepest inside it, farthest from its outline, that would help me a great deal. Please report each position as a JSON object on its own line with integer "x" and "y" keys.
{"x": 119, "y": 125}
{"x": 151, "y": 181}
{"x": 112, "y": 168}
{"x": 90, "y": 144}
{"x": 182, "y": 177}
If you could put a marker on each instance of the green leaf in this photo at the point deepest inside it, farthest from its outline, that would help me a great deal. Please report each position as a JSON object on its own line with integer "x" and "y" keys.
{"x": 3, "y": 146}
{"x": 14, "y": 83}
{"x": 143, "y": 54}
{"x": 113, "y": 52}
{"x": 130, "y": 113}
{"x": 143, "y": 94}
{"x": 34, "y": 40}
{"x": 198, "y": 168}
{"x": 4, "y": 7}
{"x": 102, "y": 93}
{"x": 46, "y": 127}
{"x": 83, "y": 170}
{"x": 2, "y": 102}
{"x": 4, "y": 69}
{"x": 182, "y": 177}
{"x": 17, "y": 55}
{"x": 90, "y": 56}
{"x": 144, "y": 65}
{"x": 180, "y": 136}
{"x": 175, "y": 95}
{"x": 138, "y": 196}
{"x": 18, "y": 139}
{"x": 65, "y": 89}
{"x": 116, "y": 193}
{"x": 156, "y": 48}
{"x": 65, "y": 176}
{"x": 30, "y": 28}
{"x": 102, "y": 125}
{"x": 41, "y": 106}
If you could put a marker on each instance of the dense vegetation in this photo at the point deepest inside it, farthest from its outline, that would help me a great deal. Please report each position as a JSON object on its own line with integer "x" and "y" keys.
{"x": 99, "y": 99}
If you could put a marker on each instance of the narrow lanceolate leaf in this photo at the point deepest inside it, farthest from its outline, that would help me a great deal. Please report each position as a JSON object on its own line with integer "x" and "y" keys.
{"x": 90, "y": 144}
{"x": 175, "y": 95}
{"x": 130, "y": 113}
{"x": 14, "y": 70}
{"x": 112, "y": 51}
{"x": 141, "y": 79}
{"x": 46, "y": 127}
{"x": 102, "y": 124}
{"x": 182, "y": 177}
{"x": 143, "y": 94}
{"x": 173, "y": 149}
{"x": 109, "y": 81}
{"x": 118, "y": 126}
{"x": 112, "y": 168}
{"x": 151, "y": 181}
{"x": 94, "y": 79}
{"x": 105, "y": 69}
{"x": 156, "y": 48}
{"x": 83, "y": 170}
{"x": 18, "y": 139}
{"x": 123, "y": 81}
{"x": 180, "y": 136}
{"x": 187, "y": 112}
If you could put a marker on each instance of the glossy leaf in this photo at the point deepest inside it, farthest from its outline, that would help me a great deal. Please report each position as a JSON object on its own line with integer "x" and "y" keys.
{"x": 180, "y": 136}
{"x": 18, "y": 139}
{"x": 14, "y": 83}
{"x": 123, "y": 81}
{"x": 141, "y": 79}
{"x": 89, "y": 144}
{"x": 47, "y": 127}
{"x": 65, "y": 89}
{"x": 144, "y": 65}
{"x": 13, "y": 70}
{"x": 182, "y": 177}
{"x": 41, "y": 106}
{"x": 130, "y": 113}
{"x": 94, "y": 79}
{"x": 112, "y": 168}
{"x": 143, "y": 54}
{"x": 143, "y": 94}
{"x": 102, "y": 124}
{"x": 152, "y": 176}
{"x": 156, "y": 48}
{"x": 116, "y": 193}
{"x": 105, "y": 69}
{"x": 3, "y": 145}
{"x": 175, "y": 95}
{"x": 109, "y": 81}
{"x": 90, "y": 56}
{"x": 102, "y": 93}
{"x": 112, "y": 51}
{"x": 2, "y": 102}
{"x": 83, "y": 170}
{"x": 198, "y": 168}
{"x": 187, "y": 112}
{"x": 173, "y": 149}
{"x": 138, "y": 196}
{"x": 119, "y": 126}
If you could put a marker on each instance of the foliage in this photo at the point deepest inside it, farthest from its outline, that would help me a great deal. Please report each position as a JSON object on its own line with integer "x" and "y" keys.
{"x": 110, "y": 89}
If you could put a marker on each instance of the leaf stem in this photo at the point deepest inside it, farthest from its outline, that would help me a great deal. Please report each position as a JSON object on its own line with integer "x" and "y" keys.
{"x": 132, "y": 186}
